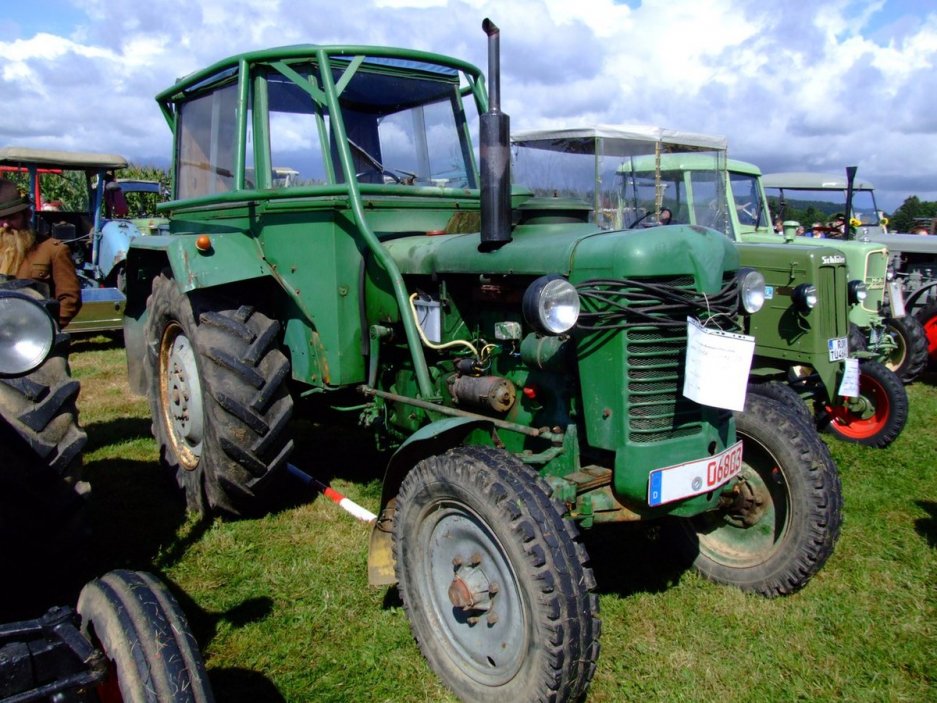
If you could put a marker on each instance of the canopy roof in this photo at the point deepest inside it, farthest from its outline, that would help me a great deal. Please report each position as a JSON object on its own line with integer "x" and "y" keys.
{"x": 626, "y": 138}
{"x": 804, "y": 180}
{"x": 50, "y": 158}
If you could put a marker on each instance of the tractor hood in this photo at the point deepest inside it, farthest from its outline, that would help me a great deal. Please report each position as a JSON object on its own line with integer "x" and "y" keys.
{"x": 579, "y": 251}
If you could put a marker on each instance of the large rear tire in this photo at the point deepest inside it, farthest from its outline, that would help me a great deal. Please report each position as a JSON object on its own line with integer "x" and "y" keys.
{"x": 151, "y": 653}
{"x": 877, "y": 416}
{"x": 927, "y": 316}
{"x": 786, "y": 508}
{"x": 909, "y": 357}
{"x": 218, "y": 396}
{"x": 42, "y": 495}
{"x": 494, "y": 580}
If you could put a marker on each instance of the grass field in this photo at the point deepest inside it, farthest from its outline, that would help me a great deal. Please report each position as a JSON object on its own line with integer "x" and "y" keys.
{"x": 283, "y": 612}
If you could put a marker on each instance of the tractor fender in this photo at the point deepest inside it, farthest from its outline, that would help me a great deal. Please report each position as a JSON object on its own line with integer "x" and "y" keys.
{"x": 113, "y": 243}
{"x": 429, "y": 440}
{"x": 230, "y": 257}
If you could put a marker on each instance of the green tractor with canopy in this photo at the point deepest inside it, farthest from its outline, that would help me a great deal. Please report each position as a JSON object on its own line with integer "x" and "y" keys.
{"x": 524, "y": 368}
{"x": 802, "y": 330}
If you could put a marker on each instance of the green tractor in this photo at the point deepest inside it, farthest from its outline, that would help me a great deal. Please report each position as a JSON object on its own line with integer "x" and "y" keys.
{"x": 802, "y": 330}
{"x": 881, "y": 323}
{"x": 524, "y": 367}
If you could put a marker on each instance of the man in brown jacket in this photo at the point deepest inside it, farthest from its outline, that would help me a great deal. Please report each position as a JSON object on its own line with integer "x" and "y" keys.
{"x": 23, "y": 254}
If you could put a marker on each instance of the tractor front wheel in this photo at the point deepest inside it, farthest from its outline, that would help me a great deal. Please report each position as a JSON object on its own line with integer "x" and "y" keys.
{"x": 877, "y": 416}
{"x": 217, "y": 391}
{"x": 781, "y": 518}
{"x": 494, "y": 580}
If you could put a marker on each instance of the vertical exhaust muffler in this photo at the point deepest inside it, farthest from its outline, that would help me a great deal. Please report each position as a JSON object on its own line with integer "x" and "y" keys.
{"x": 495, "y": 147}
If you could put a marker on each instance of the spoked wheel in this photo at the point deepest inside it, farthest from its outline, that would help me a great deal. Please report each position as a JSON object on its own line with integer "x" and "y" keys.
{"x": 877, "y": 416}
{"x": 927, "y": 316}
{"x": 493, "y": 579}
{"x": 781, "y": 519}
{"x": 909, "y": 356}
{"x": 151, "y": 654}
{"x": 217, "y": 389}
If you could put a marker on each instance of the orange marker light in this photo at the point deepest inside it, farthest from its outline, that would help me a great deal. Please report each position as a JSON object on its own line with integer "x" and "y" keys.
{"x": 203, "y": 243}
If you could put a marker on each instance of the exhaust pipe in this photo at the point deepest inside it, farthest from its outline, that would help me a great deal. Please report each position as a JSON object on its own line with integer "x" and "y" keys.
{"x": 495, "y": 147}
{"x": 850, "y": 182}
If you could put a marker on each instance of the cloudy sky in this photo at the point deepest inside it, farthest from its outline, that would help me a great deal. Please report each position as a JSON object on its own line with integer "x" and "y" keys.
{"x": 796, "y": 85}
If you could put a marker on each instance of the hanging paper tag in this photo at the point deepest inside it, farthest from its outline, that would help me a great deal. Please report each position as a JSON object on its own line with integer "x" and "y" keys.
{"x": 717, "y": 366}
{"x": 849, "y": 387}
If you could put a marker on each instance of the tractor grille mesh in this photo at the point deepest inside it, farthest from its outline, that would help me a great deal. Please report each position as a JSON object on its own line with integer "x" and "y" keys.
{"x": 651, "y": 314}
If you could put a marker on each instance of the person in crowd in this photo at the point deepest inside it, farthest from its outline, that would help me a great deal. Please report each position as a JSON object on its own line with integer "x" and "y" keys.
{"x": 25, "y": 254}
{"x": 665, "y": 216}
{"x": 816, "y": 230}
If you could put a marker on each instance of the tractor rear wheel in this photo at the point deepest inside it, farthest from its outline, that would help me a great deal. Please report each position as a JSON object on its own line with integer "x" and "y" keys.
{"x": 151, "y": 654}
{"x": 909, "y": 357}
{"x": 784, "y": 513}
{"x": 493, "y": 579}
{"x": 877, "y": 416}
{"x": 217, "y": 390}
{"x": 927, "y": 316}
{"x": 42, "y": 495}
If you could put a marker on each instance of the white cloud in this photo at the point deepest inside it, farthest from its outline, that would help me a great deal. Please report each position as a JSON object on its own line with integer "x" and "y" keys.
{"x": 806, "y": 85}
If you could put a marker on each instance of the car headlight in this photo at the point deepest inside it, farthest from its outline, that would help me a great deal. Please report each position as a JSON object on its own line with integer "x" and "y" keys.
{"x": 805, "y": 296}
{"x": 551, "y": 305}
{"x": 27, "y": 333}
{"x": 751, "y": 290}
{"x": 858, "y": 292}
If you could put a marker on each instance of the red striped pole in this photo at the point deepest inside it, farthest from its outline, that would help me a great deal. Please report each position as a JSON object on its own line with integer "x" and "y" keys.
{"x": 345, "y": 503}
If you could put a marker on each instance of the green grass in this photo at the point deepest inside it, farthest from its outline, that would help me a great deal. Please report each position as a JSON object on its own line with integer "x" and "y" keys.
{"x": 282, "y": 609}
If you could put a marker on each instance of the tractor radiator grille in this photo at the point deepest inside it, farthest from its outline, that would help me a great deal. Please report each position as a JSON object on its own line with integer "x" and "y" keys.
{"x": 651, "y": 315}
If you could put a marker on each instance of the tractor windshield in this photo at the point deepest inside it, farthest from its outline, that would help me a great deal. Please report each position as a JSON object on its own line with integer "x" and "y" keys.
{"x": 403, "y": 123}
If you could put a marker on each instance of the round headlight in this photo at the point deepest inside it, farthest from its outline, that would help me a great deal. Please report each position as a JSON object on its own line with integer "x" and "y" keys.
{"x": 551, "y": 305}
{"x": 751, "y": 290}
{"x": 805, "y": 295}
{"x": 26, "y": 334}
{"x": 858, "y": 292}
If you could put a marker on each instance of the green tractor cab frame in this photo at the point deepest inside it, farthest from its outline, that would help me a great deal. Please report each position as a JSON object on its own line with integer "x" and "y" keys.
{"x": 395, "y": 282}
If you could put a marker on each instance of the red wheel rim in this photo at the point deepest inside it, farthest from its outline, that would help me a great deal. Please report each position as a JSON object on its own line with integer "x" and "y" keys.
{"x": 930, "y": 329}
{"x": 853, "y": 425}
{"x": 109, "y": 689}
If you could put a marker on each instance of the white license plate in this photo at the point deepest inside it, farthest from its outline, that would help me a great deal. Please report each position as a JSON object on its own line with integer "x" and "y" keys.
{"x": 694, "y": 477}
{"x": 839, "y": 348}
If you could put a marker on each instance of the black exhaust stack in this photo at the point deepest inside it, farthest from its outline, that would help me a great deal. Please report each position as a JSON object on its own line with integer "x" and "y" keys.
{"x": 850, "y": 182}
{"x": 495, "y": 138}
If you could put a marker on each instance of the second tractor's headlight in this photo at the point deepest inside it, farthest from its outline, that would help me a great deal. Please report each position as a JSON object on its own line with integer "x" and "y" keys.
{"x": 805, "y": 295}
{"x": 858, "y": 292}
{"x": 27, "y": 333}
{"x": 551, "y": 305}
{"x": 751, "y": 290}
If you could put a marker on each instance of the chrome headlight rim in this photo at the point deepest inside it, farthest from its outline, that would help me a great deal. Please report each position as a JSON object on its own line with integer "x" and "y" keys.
{"x": 27, "y": 334}
{"x": 551, "y": 305}
{"x": 751, "y": 290}
{"x": 858, "y": 292}
{"x": 806, "y": 297}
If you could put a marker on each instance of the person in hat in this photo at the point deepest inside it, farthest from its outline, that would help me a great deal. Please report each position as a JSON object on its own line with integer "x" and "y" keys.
{"x": 838, "y": 225}
{"x": 24, "y": 254}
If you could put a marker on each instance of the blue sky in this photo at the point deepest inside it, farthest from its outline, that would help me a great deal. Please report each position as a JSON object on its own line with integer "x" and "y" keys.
{"x": 799, "y": 85}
